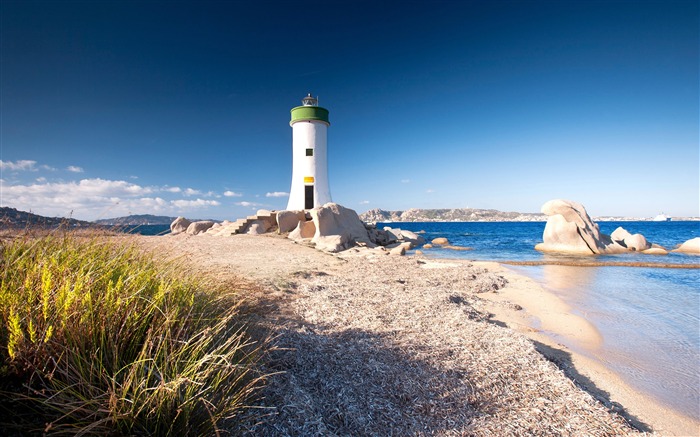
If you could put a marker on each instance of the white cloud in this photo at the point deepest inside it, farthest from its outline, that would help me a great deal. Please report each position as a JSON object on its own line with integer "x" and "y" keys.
{"x": 364, "y": 202}
{"x": 89, "y": 199}
{"x": 245, "y": 203}
{"x": 277, "y": 194}
{"x": 192, "y": 192}
{"x": 21, "y": 165}
{"x": 195, "y": 203}
{"x": 405, "y": 181}
{"x": 232, "y": 194}
{"x": 74, "y": 169}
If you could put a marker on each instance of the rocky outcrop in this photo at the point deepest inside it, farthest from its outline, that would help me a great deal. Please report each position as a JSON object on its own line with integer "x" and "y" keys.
{"x": 570, "y": 230}
{"x": 636, "y": 242}
{"x": 199, "y": 227}
{"x": 303, "y": 231}
{"x": 257, "y": 227}
{"x": 179, "y": 225}
{"x": 338, "y": 228}
{"x": 440, "y": 241}
{"x": 287, "y": 221}
{"x": 691, "y": 246}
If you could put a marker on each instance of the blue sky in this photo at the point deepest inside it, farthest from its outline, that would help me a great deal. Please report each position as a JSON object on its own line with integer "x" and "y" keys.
{"x": 182, "y": 108}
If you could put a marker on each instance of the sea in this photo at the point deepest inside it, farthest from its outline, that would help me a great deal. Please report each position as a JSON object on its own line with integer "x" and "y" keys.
{"x": 648, "y": 317}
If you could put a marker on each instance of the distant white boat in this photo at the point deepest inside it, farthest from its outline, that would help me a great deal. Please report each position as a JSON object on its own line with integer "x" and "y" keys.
{"x": 661, "y": 218}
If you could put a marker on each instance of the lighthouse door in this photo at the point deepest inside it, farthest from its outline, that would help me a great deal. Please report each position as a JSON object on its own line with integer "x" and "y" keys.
{"x": 308, "y": 197}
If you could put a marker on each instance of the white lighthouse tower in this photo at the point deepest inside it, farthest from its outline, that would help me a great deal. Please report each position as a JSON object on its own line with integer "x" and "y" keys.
{"x": 309, "y": 156}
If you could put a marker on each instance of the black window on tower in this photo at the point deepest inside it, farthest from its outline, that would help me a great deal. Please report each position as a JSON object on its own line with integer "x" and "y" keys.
{"x": 308, "y": 197}
{"x": 309, "y": 152}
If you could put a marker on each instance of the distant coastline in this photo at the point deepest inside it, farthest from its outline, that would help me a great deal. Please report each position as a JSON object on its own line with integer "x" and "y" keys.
{"x": 12, "y": 218}
{"x": 478, "y": 215}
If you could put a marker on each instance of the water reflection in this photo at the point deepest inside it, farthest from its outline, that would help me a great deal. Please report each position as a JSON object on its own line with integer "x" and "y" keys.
{"x": 567, "y": 279}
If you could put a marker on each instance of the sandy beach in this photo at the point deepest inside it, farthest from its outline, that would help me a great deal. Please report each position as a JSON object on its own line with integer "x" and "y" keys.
{"x": 389, "y": 345}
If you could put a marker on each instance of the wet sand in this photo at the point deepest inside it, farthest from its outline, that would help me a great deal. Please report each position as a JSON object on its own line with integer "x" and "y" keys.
{"x": 570, "y": 341}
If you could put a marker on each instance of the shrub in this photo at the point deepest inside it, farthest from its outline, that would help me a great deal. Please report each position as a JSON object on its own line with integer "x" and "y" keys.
{"x": 98, "y": 338}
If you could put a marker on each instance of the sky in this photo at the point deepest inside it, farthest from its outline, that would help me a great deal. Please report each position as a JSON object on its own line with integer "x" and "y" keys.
{"x": 111, "y": 108}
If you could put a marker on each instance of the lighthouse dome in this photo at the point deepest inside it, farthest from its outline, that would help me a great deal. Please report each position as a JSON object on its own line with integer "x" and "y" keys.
{"x": 309, "y": 111}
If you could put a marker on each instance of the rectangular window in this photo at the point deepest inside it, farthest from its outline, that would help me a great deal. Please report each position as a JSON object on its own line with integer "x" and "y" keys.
{"x": 309, "y": 152}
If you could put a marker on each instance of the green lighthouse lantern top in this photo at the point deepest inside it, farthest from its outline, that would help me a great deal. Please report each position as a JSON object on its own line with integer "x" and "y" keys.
{"x": 309, "y": 111}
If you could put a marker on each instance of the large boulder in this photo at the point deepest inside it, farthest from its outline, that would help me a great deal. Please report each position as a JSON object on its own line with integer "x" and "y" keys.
{"x": 179, "y": 225}
{"x": 636, "y": 242}
{"x": 338, "y": 228}
{"x": 287, "y": 221}
{"x": 691, "y": 246}
{"x": 304, "y": 230}
{"x": 257, "y": 227}
{"x": 570, "y": 229}
{"x": 199, "y": 227}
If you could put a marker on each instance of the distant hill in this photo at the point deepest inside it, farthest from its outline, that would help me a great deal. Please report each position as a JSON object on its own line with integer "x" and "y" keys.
{"x": 450, "y": 215}
{"x": 10, "y": 218}
{"x": 137, "y": 220}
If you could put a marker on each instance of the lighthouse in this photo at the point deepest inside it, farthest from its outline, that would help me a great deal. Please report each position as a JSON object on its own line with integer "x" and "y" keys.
{"x": 309, "y": 156}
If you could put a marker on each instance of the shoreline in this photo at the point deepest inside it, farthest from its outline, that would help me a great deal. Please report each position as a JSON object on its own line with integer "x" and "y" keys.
{"x": 549, "y": 321}
{"x": 382, "y": 310}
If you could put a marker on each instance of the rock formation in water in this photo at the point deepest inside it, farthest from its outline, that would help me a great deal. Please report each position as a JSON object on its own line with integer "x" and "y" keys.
{"x": 691, "y": 246}
{"x": 570, "y": 230}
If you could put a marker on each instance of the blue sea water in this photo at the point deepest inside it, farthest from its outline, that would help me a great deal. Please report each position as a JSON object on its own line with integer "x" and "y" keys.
{"x": 145, "y": 229}
{"x": 649, "y": 317}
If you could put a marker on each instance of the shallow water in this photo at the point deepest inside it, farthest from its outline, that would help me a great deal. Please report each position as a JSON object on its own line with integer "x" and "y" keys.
{"x": 649, "y": 327}
{"x": 649, "y": 317}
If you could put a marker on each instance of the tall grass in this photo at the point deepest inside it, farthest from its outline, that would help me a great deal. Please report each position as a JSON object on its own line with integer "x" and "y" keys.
{"x": 97, "y": 338}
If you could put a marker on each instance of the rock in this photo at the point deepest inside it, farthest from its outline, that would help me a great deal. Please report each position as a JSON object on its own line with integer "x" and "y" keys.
{"x": 655, "y": 250}
{"x": 413, "y": 238}
{"x": 257, "y": 227}
{"x": 287, "y": 221}
{"x": 179, "y": 225}
{"x": 691, "y": 246}
{"x": 332, "y": 243}
{"x": 334, "y": 220}
{"x": 569, "y": 229}
{"x": 620, "y": 234}
{"x": 635, "y": 242}
{"x": 304, "y": 230}
{"x": 199, "y": 227}
{"x": 399, "y": 250}
{"x": 427, "y": 246}
{"x": 440, "y": 241}
{"x": 462, "y": 248}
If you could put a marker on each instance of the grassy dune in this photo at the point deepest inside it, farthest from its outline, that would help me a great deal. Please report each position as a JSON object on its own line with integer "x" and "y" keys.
{"x": 98, "y": 338}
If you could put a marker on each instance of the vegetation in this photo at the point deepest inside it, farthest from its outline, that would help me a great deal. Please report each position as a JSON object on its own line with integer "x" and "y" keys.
{"x": 98, "y": 338}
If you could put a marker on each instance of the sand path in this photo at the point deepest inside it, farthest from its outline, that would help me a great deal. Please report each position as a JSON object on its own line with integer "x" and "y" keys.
{"x": 385, "y": 345}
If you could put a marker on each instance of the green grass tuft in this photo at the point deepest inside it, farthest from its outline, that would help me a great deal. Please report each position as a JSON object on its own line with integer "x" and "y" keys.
{"x": 98, "y": 338}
